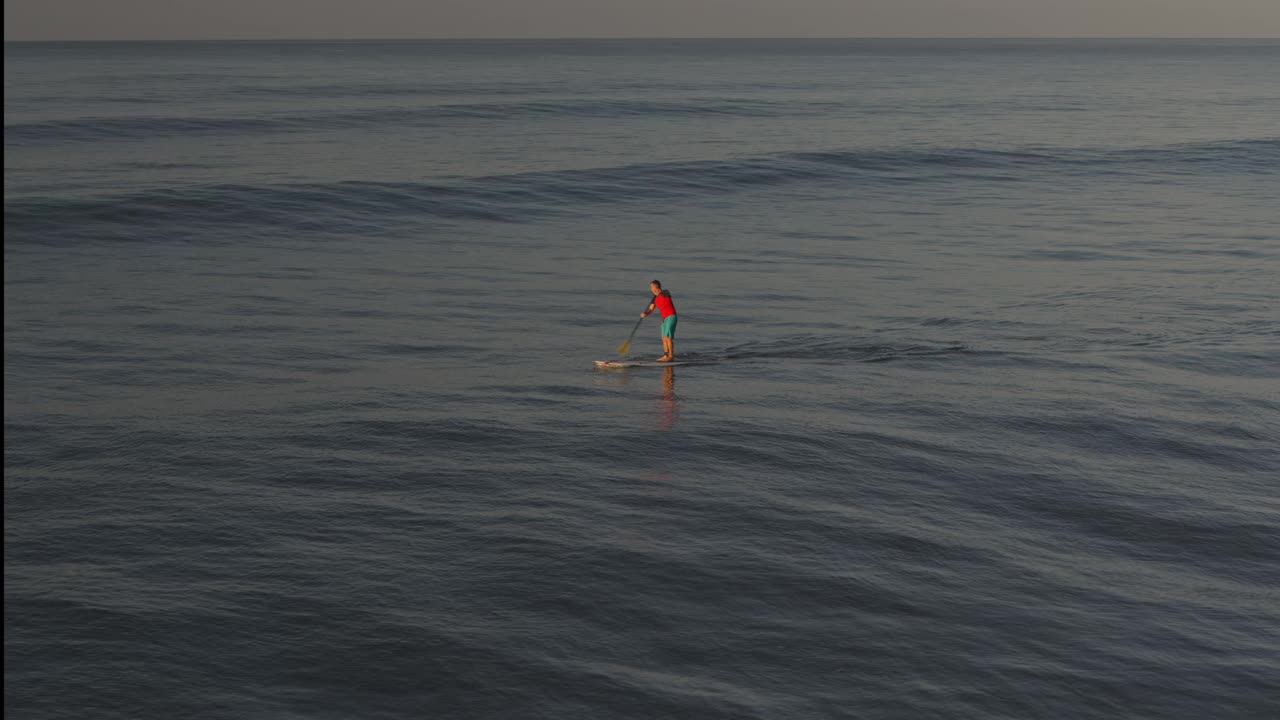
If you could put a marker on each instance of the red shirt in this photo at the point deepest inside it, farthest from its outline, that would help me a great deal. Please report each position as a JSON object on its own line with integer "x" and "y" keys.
{"x": 664, "y": 304}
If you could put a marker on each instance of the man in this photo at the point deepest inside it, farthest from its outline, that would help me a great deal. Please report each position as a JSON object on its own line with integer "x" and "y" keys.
{"x": 662, "y": 301}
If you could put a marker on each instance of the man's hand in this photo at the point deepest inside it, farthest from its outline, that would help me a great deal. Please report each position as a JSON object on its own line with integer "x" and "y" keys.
{"x": 644, "y": 314}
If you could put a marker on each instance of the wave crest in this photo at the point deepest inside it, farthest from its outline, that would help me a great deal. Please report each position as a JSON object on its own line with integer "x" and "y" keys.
{"x": 524, "y": 197}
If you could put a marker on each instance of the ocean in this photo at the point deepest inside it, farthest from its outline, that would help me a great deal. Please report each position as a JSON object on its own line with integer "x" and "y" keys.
{"x": 981, "y": 420}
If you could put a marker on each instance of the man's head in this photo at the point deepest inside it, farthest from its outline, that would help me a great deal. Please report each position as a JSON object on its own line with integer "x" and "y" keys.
{"x": 656, "y": 287}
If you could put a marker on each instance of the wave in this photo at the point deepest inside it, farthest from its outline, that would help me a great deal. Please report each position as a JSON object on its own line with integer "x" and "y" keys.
{"x": 182, "y": 87}
{"x": 147, "y": 127}
{"x": 832, "y": 348}
{"x": 525, "y": 197}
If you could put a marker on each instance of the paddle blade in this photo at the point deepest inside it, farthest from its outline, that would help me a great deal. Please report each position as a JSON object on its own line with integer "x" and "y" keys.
{"x": 624, "y": 347}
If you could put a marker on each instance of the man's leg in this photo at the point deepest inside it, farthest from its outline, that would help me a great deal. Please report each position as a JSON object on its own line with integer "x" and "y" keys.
{"x": 668, "y": 337}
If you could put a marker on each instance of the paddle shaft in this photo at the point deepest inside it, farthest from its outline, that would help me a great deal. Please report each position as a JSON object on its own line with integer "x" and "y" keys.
{"x": 622, "y": 349}
{"x": 634, "y": 329}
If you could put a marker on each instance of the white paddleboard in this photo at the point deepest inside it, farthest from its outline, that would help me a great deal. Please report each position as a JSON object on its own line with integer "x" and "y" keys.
{"x": 635, "y": 363}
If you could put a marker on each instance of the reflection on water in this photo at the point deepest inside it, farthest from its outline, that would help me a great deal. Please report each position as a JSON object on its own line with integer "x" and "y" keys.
{"x": 669, "y": 412}
{"x": 668, "y": 415}
{"x": 668, "y": 408}
{"x": 612, "y": 376}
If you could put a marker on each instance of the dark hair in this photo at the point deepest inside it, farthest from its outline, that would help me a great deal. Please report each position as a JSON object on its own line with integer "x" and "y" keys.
{"x": 655, "y": 282}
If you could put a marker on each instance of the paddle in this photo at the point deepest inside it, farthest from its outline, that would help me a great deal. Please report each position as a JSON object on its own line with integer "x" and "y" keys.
{"x": 624, "y": 347}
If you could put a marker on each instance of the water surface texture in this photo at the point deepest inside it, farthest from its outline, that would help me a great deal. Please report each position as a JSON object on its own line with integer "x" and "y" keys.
{"x": 301, "y": 419}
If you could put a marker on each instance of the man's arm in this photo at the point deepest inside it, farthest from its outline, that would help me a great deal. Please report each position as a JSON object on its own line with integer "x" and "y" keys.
{"x": 647, "y": 310}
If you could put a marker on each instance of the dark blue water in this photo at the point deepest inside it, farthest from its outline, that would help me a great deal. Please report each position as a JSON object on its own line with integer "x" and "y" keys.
{"x": 301, "y": 420}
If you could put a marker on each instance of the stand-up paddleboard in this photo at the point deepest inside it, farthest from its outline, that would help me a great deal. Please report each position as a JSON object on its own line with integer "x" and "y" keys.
{"x": 637, "y": 363}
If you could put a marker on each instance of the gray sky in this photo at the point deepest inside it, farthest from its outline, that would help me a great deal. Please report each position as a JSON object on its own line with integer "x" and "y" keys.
{"x": 209, "y": 19}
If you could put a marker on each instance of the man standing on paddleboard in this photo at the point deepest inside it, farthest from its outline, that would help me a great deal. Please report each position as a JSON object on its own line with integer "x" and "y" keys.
{"x": 662, "y": 301}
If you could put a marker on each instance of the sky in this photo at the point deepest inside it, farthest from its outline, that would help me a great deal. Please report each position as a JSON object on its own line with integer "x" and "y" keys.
{"x": 352, "y": 19}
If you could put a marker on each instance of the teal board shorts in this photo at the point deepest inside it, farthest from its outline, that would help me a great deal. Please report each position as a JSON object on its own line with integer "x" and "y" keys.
{"x": 669, "y": 327}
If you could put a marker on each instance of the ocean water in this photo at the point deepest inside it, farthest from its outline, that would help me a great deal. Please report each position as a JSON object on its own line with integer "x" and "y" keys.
{"x": 301, "y": 419}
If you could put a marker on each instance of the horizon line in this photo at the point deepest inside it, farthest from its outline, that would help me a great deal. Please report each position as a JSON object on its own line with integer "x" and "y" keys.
{"x": 642, "y": 37}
